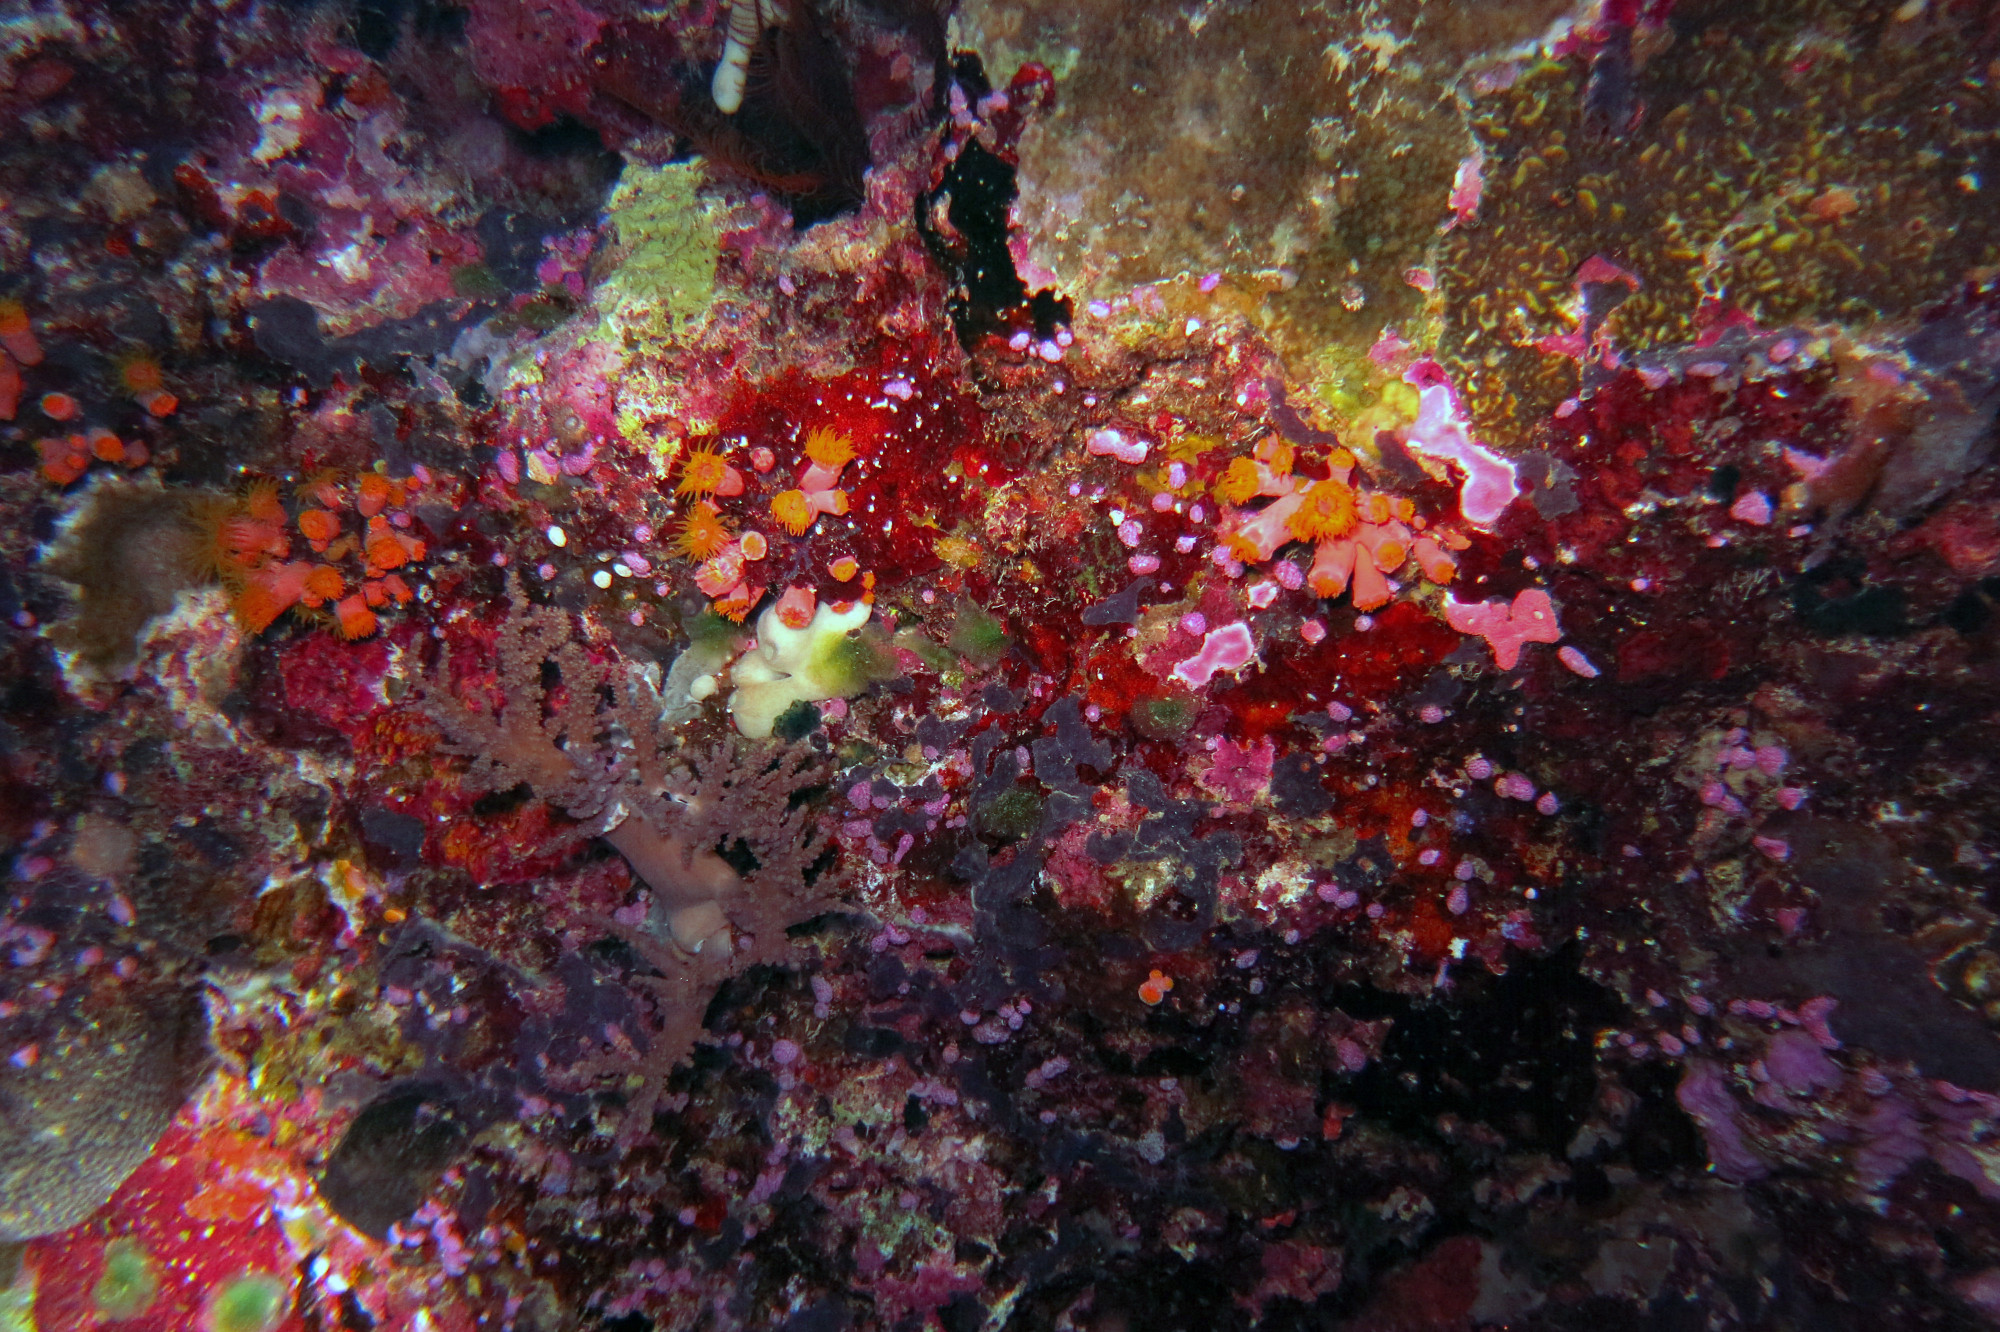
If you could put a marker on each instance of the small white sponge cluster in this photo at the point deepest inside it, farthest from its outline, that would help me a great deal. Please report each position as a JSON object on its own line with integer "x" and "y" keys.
{"x": 789, "y": 665}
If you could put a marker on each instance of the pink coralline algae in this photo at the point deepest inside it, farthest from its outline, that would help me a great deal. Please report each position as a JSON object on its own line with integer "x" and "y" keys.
{"x": 1440, "y": 430}
{"x": 1507, "y": 627}
{"x": 1229, "y": 648}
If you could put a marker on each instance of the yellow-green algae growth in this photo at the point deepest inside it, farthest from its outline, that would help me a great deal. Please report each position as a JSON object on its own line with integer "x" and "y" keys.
{"x": 253, "y": 1302}
{"x": 129, "y": 1283}
{"x": 669, "y": 235}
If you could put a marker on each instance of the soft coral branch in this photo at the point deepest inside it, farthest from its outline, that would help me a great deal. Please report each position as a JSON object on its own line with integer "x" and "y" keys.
{"x": 590, "y": 742}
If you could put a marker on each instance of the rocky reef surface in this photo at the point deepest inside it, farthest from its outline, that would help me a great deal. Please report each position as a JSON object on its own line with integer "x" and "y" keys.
{"x": 861, "y": 664}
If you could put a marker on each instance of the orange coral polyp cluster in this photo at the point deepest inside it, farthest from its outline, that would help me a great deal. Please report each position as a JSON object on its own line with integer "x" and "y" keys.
{"x": 65, "y": 458}
{"x": 818, "y": 491}
{"x": 248, "y": 550}
{"x": 1359, "y": 537}
{"x": 728, "y": 563}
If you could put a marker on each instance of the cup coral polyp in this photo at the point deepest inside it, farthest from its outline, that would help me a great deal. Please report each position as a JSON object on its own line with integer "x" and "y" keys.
{"x": 703, "y": 472}
{"x": 703, "y": 532}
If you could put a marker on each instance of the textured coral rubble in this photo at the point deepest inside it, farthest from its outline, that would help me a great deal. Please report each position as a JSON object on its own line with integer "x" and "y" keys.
{"x": 1286, "y": 666}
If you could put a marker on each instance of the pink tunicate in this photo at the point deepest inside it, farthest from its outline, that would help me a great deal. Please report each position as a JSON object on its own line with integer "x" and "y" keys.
{"x": 1312, "y": 631}
{"x": 1163, "y": 501}
{"x": 1753, "y": 507}
{"x": 1143, "y": 564}
{"x": 1195, "y": 622}
{"x": 1130, "y": 531}
{"x": 1774, "y": 847}
{"x": 1457, "y": 900}
{"x": 1479, "y": 769}
{"x": 784, "y": 1052}
{"x": 1514, "y": 786}
{"x": 1548, "y": 804}
{"x": 1430, "y": 714}
{"x": 1577, "y": 662}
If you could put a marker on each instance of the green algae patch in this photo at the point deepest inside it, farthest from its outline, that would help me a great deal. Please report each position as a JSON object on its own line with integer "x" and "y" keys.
{"x": 129, "y": 1283}
{"x": 977, "y": 636}
{"x": 253, "y": 1302}
{"x": 670, "y": 237}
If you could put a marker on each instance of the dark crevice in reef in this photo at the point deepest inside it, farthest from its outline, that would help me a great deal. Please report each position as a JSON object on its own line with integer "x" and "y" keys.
{"x": 964, "y": 222}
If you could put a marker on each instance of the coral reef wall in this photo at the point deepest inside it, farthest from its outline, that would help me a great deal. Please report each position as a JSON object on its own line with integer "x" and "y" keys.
{"x": 866, "y": 664}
